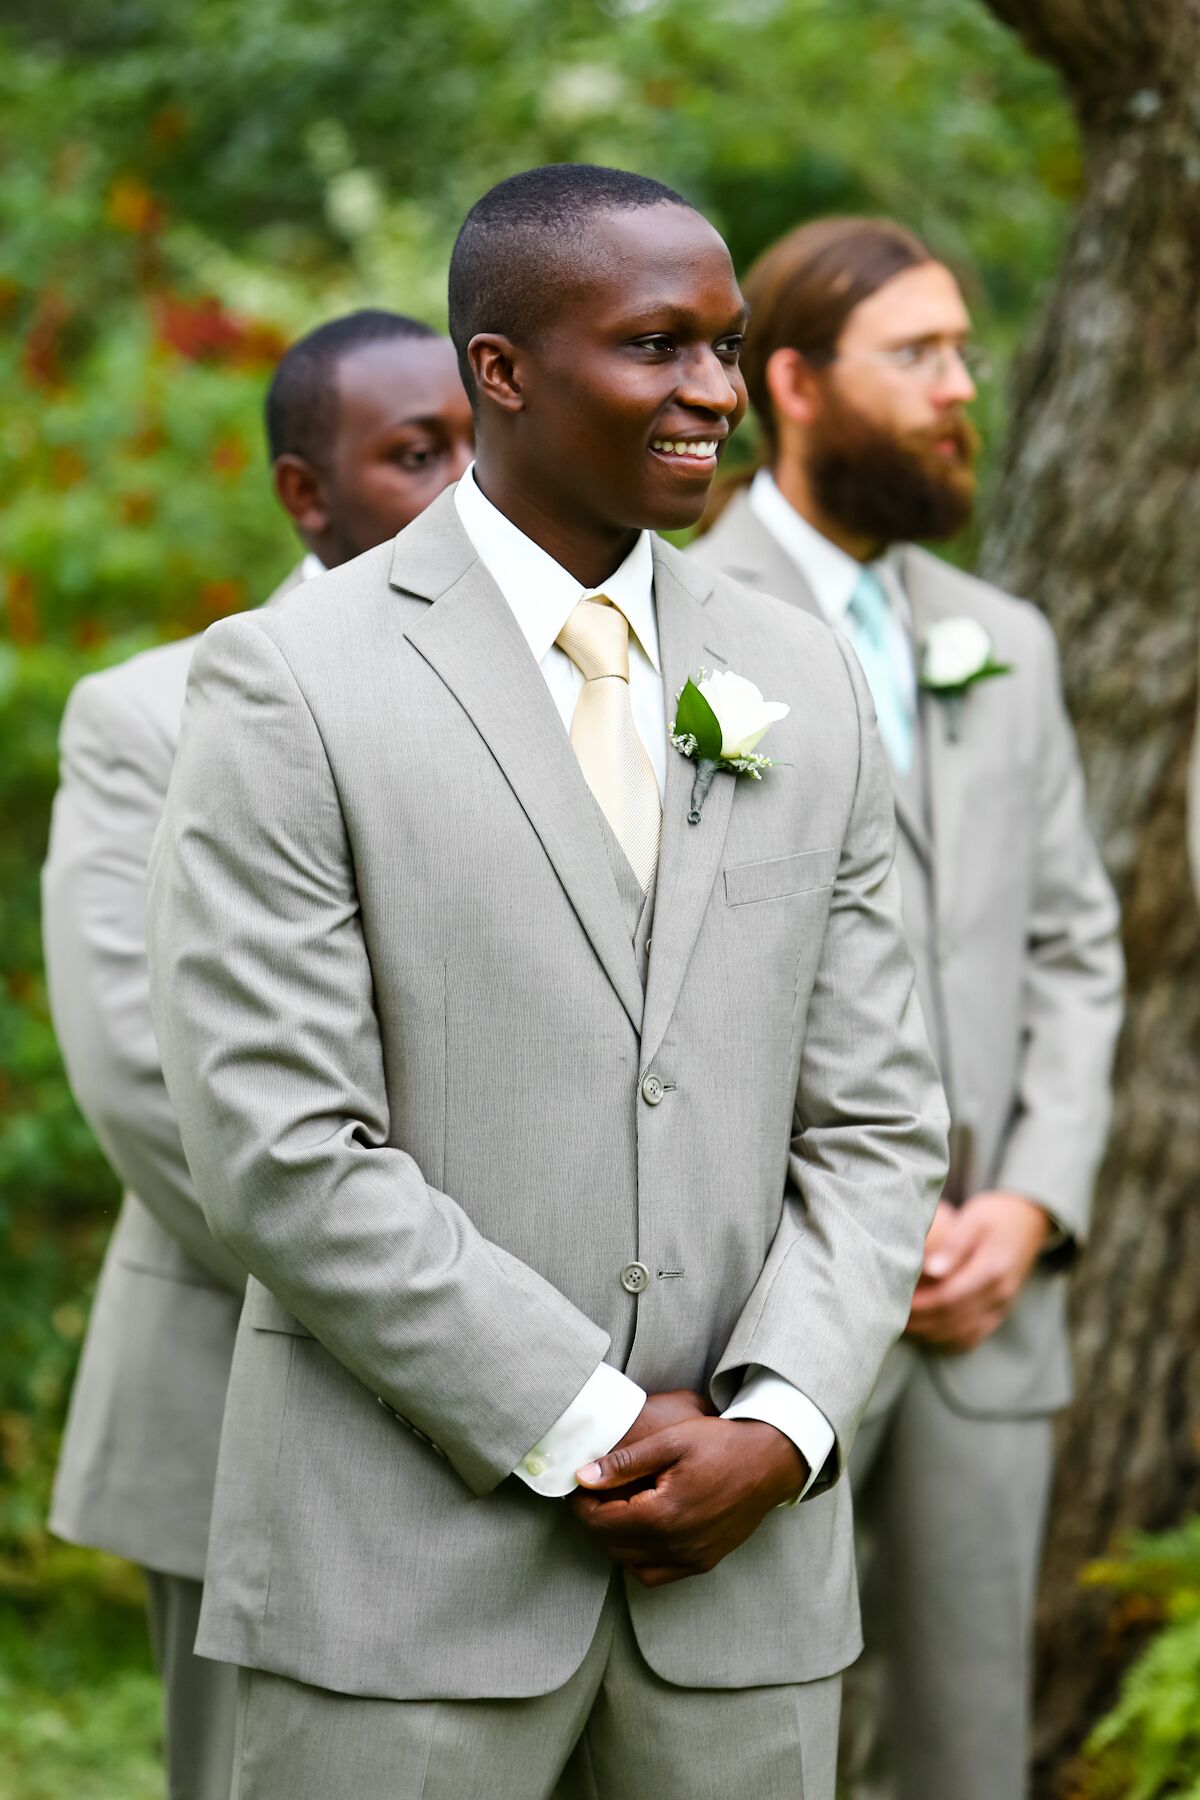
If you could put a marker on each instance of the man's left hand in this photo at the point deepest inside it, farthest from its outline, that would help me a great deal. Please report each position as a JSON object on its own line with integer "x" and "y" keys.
{"x": 711, "y": 1483}
{"x": 978, "y": 1257}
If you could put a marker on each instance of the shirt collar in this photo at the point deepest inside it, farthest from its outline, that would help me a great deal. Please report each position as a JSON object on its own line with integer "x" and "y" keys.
{"x": 541, "y": 593}
{"x": 311, "y": 567}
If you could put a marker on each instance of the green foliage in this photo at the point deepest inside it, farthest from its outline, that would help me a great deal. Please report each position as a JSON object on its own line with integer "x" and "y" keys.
{"x": 1148, "y": 1746}
{"x": 182, "y": 188}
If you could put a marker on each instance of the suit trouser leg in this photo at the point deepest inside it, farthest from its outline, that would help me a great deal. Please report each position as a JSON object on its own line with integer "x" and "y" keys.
{"x": 614, "y": 1731}
{"x": 645, "y": 1737}
{"x": 200, "y": 1697}
{"x": 951, "y": 1519}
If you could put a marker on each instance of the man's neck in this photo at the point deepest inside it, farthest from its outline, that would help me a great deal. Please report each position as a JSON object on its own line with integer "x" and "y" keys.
{"x": 793, "y": 484}
{"x": 589, "y": 552}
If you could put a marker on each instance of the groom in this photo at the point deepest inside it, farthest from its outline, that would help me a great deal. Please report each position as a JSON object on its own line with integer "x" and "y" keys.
{"x": 536, "y": 1112}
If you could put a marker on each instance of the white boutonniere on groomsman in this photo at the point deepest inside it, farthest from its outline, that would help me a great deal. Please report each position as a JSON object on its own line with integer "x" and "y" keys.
{"x": 719, "y": 722}
{"x": 955, "y": 655}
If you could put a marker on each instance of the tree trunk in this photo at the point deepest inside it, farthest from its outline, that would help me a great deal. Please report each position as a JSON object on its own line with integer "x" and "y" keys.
{"x": 1098, "y": 517}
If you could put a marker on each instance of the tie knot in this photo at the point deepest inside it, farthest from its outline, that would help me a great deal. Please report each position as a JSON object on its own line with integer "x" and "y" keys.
{"x": 596, "y": 638}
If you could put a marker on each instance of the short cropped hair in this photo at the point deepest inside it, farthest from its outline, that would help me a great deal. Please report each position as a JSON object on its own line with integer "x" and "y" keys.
{"x": 302, "y": 400}
{"x": 519, "y": 241}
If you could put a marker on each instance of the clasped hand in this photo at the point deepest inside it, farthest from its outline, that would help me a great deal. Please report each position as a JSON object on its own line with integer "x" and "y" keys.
{"x": 683, "y": 1488}
{"x": 978, "y": 1257}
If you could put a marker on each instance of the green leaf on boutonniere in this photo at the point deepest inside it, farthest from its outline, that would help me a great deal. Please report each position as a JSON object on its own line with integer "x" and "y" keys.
{"x": 954, "y": 690}
{"x": 695, "y": 718}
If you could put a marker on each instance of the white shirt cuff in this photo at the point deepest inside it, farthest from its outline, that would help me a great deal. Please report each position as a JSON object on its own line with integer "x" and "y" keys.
{"x": 597, "y": 1418}
{"x": 773, "y": 1399}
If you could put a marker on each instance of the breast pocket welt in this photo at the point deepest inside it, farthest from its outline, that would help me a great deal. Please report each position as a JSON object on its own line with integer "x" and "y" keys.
{"x": 778, "y": 877}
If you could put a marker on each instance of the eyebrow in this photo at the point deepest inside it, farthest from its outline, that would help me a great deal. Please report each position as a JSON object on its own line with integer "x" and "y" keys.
{"x": 915, "y": 340}
{"x": 679, "y": 315}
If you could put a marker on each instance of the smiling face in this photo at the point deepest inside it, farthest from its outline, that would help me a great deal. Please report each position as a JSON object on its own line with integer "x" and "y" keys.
{"x": 404, "y": 432}
{"x": 614, "y": 418}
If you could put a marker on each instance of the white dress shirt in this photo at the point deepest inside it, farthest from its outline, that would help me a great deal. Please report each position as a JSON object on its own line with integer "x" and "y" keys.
{"x": 311, "y": 567}
{"x": 542, "y": 596}
{"x": 833, "y": 576}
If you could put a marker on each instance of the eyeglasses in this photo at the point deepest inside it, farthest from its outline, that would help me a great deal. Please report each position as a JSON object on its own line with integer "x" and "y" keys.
{"x": 926, "y": 362}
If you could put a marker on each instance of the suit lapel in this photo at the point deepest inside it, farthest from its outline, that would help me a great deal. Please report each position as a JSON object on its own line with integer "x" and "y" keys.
{"x": 690, "y": 855}
{"x": 948, "y": 757}
{"x": 749, "y": 552}
{"x": 471, "y": 638}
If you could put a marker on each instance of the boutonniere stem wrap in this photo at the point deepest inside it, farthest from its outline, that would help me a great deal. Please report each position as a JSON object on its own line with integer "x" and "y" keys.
{"x": 956, "y": 655}
{"x": 719, "y": 722}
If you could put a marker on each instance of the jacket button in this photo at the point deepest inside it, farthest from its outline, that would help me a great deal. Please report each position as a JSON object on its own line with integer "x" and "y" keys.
{"x": 635, "y": 1278}
{"x": 652, "y": 1090}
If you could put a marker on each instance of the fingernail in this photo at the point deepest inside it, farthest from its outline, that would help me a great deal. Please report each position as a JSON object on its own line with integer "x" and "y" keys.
{"x": 936, "y": 1265}
{"x": 589, "y": 1472}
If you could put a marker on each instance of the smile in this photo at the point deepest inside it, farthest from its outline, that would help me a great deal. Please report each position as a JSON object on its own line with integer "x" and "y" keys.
{"x": 695, "y": 449}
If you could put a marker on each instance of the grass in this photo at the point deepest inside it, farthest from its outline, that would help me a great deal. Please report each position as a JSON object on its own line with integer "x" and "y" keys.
{"x": 80, "y": 1705}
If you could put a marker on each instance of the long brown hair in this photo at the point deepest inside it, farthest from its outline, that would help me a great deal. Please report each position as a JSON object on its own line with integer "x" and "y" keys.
{"x": 801, "y": 292}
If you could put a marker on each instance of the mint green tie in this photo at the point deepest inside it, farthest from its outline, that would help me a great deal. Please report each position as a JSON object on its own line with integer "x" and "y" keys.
{"x": 882, "y": 650}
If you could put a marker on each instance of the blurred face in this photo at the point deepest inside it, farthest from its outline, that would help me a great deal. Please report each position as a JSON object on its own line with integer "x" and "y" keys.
{"x": 890, "y": 450}
{"x": 404, "y": 432}
{"x": 615, "y": 418}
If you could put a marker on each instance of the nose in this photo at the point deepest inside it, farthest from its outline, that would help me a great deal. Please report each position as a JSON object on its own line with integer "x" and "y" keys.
{"x": 955, "y": 387}
{"x": 461, "y": 454}
{"x": 706, "y": 384}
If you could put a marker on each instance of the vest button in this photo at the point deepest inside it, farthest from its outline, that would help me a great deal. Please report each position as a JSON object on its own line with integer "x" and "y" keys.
{"x": 635, "y": 1278}
{"x": 652, "y": 1090}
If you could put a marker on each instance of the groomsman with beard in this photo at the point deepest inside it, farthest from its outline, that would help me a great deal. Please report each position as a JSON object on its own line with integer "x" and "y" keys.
{"x": 859, "y": 367}
{"x": 582, "y": 1155}
{"x": 367, "y": 420}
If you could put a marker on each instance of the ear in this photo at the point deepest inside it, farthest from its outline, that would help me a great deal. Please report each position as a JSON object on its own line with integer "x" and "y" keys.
{"x": 495, "y": 364}
{"x": 301, "y": 491}
{"x": 792, "y": 385}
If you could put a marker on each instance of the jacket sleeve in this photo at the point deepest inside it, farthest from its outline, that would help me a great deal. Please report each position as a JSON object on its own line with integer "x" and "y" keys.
{"x": 265, "y": 1009}
{"x": 115, "y": 766}
{"x": 868, "y": 1155}
{"x": 1072, "y": 983}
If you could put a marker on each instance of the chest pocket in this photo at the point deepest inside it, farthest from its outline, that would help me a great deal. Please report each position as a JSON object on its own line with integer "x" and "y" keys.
{"x": 748, "y": 884}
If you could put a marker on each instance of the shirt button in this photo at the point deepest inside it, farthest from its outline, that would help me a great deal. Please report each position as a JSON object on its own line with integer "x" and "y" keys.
{"x": 635, "y": 1278}
{"x": 535, "y": 1465}
{"x": 652, "y": 1090}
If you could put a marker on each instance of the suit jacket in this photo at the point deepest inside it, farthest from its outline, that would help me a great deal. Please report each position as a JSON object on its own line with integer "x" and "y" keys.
{"x": 1014, "y": 928}
{"x": 139, "y": 1453}
{"x": 404, "y": 1028}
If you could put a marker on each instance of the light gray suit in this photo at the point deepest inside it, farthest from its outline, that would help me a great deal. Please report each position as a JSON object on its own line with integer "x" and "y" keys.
{"x": 1014, "y": 929}
{"x": 404, "y": 1026}
{"x": 139, "y": 1452}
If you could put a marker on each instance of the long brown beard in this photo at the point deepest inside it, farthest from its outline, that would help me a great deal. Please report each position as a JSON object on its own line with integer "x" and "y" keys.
{"x": 890, "y": 489}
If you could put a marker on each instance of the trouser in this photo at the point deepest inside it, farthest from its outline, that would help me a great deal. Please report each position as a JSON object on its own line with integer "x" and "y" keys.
{"x": 199, "y": 1697}
{"x": 949, "y": 1513}
{"x": 614, "y": 1731}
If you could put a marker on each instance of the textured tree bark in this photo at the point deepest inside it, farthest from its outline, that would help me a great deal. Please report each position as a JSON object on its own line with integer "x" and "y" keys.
{"x": 1098, "y": 517}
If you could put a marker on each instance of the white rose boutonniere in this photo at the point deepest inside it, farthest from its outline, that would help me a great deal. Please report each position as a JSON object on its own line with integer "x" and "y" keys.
{"x": 956, "y": 654}
{"x": 719, "y": 722}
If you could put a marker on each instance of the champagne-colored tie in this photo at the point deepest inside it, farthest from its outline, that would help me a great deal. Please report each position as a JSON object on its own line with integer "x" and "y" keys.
{"x": 604, "y": 737}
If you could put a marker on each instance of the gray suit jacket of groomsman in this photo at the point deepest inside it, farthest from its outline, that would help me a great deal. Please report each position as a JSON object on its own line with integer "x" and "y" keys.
{"x": 139, "y": 1453}
{"x": 1014, "y": 928}
{"x": 404, "y": 1028}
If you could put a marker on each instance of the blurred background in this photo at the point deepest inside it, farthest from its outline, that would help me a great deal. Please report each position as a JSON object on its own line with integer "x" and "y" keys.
{"x": 183, "y": 189}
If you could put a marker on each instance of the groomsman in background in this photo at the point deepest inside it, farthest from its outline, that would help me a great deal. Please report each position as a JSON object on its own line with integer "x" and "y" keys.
{"x": 367, "y": 421}
{"x": 859, "y": 367}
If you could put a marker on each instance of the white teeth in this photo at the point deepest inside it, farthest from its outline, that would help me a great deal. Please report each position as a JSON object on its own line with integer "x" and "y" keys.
{"x": 682, "y": 447}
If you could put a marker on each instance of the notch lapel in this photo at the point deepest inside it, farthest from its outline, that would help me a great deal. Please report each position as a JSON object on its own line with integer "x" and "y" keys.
{"x": 948, "y": 759}
{"x": 690, "y": 855}
{"x": 749, "y": 552}
{"x": 470, "y": 637}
